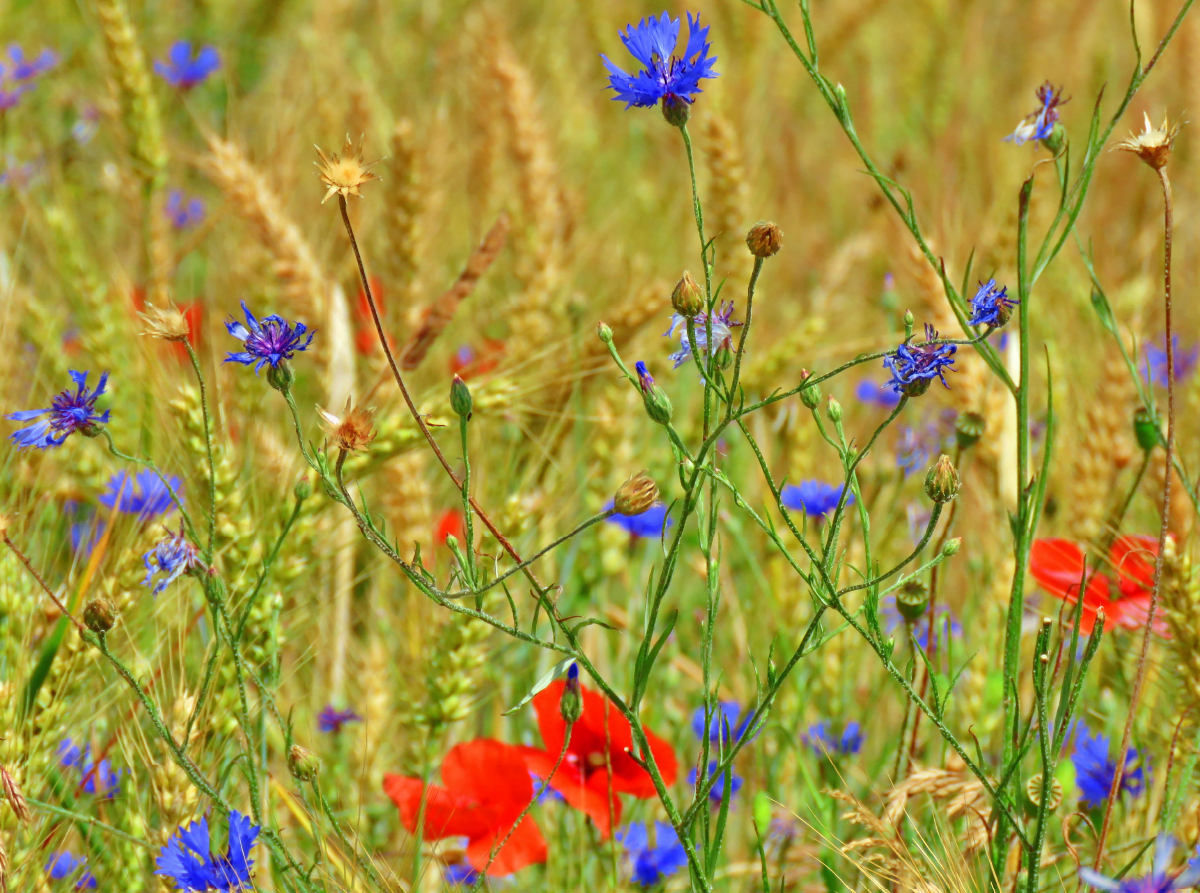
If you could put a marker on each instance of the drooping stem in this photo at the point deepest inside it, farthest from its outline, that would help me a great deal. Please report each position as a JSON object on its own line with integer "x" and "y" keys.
{"x": 1163, "y": 527}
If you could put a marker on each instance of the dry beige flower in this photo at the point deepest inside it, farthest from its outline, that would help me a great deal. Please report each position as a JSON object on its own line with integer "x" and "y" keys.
{"x": 351, "y": 431}
{"x": 167, "y": 323}
{"x": 1152, "y": 145}
{"x": 343, "y": 175}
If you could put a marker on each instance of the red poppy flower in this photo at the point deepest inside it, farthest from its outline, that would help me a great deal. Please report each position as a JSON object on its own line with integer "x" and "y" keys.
{"x": 450, "y": 524}
{"x": 486, "y": 788}
{"x": 583, "y": 778}
{"x": 1057, "y": 565}
{"x": 366, "y": 339}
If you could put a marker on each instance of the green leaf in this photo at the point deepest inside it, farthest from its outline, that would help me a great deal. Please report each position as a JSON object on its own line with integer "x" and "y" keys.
{"x": 762, "y": 813}
{"x": 553, "y": 673}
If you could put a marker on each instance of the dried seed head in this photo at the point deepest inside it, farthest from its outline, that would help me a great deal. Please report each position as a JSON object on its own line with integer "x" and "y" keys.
{"x": 687, "y": 299}
{"x": 13, "y": 795}
{"x": 764, "y": 239}
{"x": 636, "y": 495}
{"x": 99, "y": 615}
{"x": 353, "y": 430}
{"x": 343, "y": 175}
{"x": 1033, "y": 795}
{"x": 1152, "y": 145}
{"x": 167, "y": 323}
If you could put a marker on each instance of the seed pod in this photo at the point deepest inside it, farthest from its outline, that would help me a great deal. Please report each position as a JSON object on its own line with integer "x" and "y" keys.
{"x": 942, "y": 482}
{"x": 912, "y": 600}
{"x": 636, "y": 495}
{"x": 764, "y": 239}
{"x": 968, "y": 428}
{"x": 1146, "y": 429}
{"x": 1033, "y": 795}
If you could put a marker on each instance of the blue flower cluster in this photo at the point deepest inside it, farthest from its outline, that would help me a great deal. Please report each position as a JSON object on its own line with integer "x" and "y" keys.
{"x": 723, "y": 325}
{"x": 67, "y": 413}
{"x": 651, "y": 865}
{"x": 876, "y": 394}
{"x": 823, "y": 742}
{"x": 184, "y": 70}
{"x": 270, "y": 341}
{"x": 664, "y": 77}
{"x": 20, "y": 75}
{"x": 1039, "y": 123}
{"x": 183, "y": 212}
{"x": 815, "y": 498}
{"x": 1094, "y": 769}
{"x": 991, "y": 305}
{"x": 332, "y": 720}
{"x": 1159, "y": 880}
{"x": 915, "y": 366}
{"x": 723, "y": 724}
{"x": 1154, "y": 368}
{"x": 94, "y": 778}
{"x": 188, "y": 860}
{"x": 173, "y": 557}
{"x": 649, "y": 524}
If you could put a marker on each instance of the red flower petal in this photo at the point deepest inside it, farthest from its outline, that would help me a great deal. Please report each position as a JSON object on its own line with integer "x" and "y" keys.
{"x": 589, "y": 798}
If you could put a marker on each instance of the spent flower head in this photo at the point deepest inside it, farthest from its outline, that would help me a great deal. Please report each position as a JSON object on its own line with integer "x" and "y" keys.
{"x": 673, "y": 80}
{"x": 915, "y": 366}
{"x": 67, "y": 413}
{"x": 991, "y": 305}
{"x": 723, "y": 325}
{"x": 172, "y": 557}
{"x": 168, "y": 323}
{"x": 352, "y": 430}
{"x": 343, "y": 174}
{"x": 1153, "y": 145}
{"x": 270, "y": 340}
{"x": 1039, "y": 124}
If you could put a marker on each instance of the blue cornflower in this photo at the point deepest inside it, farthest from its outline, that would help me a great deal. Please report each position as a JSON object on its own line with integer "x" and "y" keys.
{"x": 723, "y": 723}
{"x": 95, "y": 778}
{"x": 1094, "y": 770}
{"x": 648, "y": 524}
{"x": 645, "y": 379}
{"x": 1154, "y": 368}
{"x": 272, "y": 340}
{"x": 876, "y": 394}
{"x": 62, "y": 865}
{"x": 143, "y": 494}
{"x": 68, "y": 412}
{"x": 1157, "y": 881}
{"x": 183, "y": 70}
{"x": 188, "y": 860}
{"x": 460, "y": 874}
{"x": 183, "y": 212}
{"x": 23, "y": 69}
{"x": 717, "y": 791}
{"x": 331, "y": 719}
{"x": 173, "y": 556}
{"x": 893, "y": 621}
{"x": 85, "y": 534}
{"x": 915, "y": 366}
{"x": 824, "y": 743}
{"x": 815, "y": 498}
{"x": 543, "y": 792}
{"x": 674, "y": 80}
{"x": 991, "y": 305}
{"x": 723, "y": 325}
{"x": 1039, "y": 123}
{"x": 652, "y": 864}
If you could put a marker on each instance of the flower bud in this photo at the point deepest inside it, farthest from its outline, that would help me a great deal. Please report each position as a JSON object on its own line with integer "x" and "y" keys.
{"x": 604, "y": 332}
{"x": 952, "y": 546}
{"x": 1056, "y": 140}
{"x": 655, "y": 399}
{"x": 723, "y": 356}
{"x": 942, "y": 482}
{"x": 99, "y": 615}
{"x": 636, "y": 495}
{"x": 12, "y": 793}
{"x": 764, "y": 239}
{"x": 460, "y": 398}
{"x": 834, "y": 411}
{"x": 303, "y": 488}
{"x": 675, "y": 110}
{"x": 281, "y": 377}
{"x": 810, "y": 395}
{"x": 570, "y": 705}
{"x": 303, "y": 763}
{"x": 912, "y": 600}
{"x": 1033, "y": 795}
{"x": 90, "y": 430}
{"x": 688, "y": 298}
{"x": 1146, "y": 429}
{"x": 968, "y": 428}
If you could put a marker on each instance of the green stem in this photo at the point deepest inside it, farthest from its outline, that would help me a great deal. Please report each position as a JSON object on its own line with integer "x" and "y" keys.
{"x": 208, "y": 448}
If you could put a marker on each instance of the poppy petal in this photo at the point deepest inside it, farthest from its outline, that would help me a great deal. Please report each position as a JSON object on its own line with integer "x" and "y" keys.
{"x": 445, "y": 814}
{"x": 524, "y": 847}
{"x": 589, "y": 796}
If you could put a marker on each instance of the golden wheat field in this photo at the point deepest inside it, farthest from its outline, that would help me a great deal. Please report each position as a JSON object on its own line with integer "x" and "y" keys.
{"x": 502, "y": 445}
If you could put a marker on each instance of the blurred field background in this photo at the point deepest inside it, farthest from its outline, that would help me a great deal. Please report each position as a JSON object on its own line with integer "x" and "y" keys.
{"x": 497, "y": 111}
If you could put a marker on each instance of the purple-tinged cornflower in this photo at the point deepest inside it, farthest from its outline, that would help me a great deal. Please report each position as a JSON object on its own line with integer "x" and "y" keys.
{"x": 723, "y": 325}
{"x": 717, "y": 792}
{"x": 645, "y": 379}
{"x": 183, "y": 212}
{"x": 460, "y": 874}
{"x": 723, "y": 723}
{"x": 815, "y": 498}
{"x": 823, "y": 742}
{"x": 188, "y": 859}
{"x": 1154, "y": 367}
{"x": 893, "y": 620}
{"x": 991, "y": 305}
{"x": 68, "y": 412}
{"x": 915, "y": 366}
{"x": 183, "y": 70}
{"x": 1094, "y": 769}
{"x": 646, "y": 525}
{"x": 876, "y": 394}
{"x": 143, "y": 494}
{"x": 95, "y": 778}
{"x": 173, "y": 556}
{"x": 673, "y": 80}
{"x": 23, "y": 69}
{"x": 651, "y": 865}
{"x": 62, "y": 865}
{"x": 1157, "y": 881}
{"x": 1039, "y": 123}
{"x": 331, "y": 719}
{"x": 270, "y": 341}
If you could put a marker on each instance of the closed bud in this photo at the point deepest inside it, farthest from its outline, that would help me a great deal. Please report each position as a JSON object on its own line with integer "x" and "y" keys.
{"x": 655, "y": 399}
{"x": 724, "y": 356}
{"x": 99, "y": 615}
{"x": 952, "y": 546}
{"x": 834, "y": 411}
{"x": 1146, "y": 429}
{"x": 604, "y": 332}
{"x": 810, "y": 395}
{"x": 12, "y": 793}
{"x": 1056, "y": 140}
{"x": 1033, "y": 795}
{"x": 912, "y": 600}
{"x": 460, "y": 398}
{"x": 942, "y": 482}
{"x": 570, "y": 705}
{"x": 303, "y": 488}
{"x": 764, "y": 239}
{"x": 688, "y": 298}
{"x": 636, "y": 495}
{"x": 451, "y": 542}
{"x": 675, "y": 109}
{"x": 909, "y": 322}
{"x": 303, "y": 763}
{"x": 968, "y": 428}
{"x": 281, "y": 377}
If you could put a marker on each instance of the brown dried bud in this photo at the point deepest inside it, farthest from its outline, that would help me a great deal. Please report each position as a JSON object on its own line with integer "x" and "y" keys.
{"x": 1152, "y": 145}
{"x": 688, "y": 298}
{"x": 353, "y": 430}
{"x": 345, "y": 174}
{"x": 636, "y": 495}
{"x": 942, "y": 482}
{"x": 13, "y": 795}
{"x": 303, "y": 763}
{"x": 167, "y": 323}
{"x": 764, "y": 239}
{"x": 99, "y": 615}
